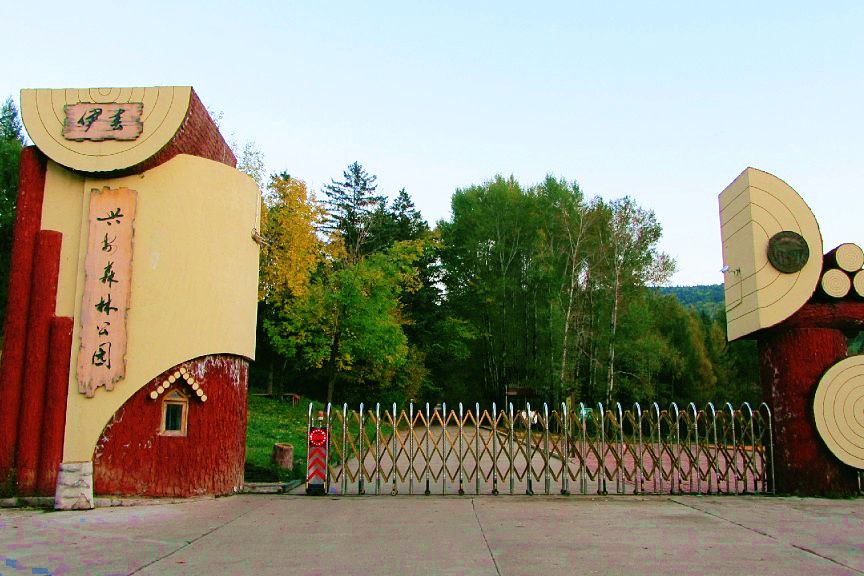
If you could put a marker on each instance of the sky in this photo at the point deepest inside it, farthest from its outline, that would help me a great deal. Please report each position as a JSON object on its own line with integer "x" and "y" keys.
{"x": 666, "y": 102}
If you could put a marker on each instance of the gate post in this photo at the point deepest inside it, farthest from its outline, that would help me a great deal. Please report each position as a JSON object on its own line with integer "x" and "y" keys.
{"x": 461, "y": 463}
{"x": 428, "y": 453}
{"x": 361, "y": 446}
{"x": 529, "y": 453}
{"x": 317, "y": 441}
{"x": 510, "y": 452}
{"x": 792, "y": 361}
{"x": 494, "y": 450}
{"x": 565, "y": 470}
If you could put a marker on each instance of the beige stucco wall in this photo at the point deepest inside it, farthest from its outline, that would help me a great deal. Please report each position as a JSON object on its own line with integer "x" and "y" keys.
{"x": 194, "y": 275}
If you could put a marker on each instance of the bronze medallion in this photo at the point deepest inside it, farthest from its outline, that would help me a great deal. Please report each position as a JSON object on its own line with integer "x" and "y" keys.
{"x": 788, "y": 252}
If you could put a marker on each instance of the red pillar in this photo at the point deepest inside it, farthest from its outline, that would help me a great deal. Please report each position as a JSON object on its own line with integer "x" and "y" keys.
{"x": 28, "y": 221}
{"x": 43, "y": 299}
{"x": 56, "y": 393}
{"x": 793, "y": 360}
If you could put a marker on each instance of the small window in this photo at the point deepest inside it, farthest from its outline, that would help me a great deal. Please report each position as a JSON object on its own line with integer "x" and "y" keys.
{"x": 175, "y": 408}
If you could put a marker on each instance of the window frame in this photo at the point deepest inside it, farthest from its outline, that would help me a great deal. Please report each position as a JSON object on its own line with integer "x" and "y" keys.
{"x": 175, "y": 398}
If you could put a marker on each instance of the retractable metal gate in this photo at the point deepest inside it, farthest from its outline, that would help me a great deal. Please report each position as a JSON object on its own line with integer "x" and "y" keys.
{"x": 594, "y": 450}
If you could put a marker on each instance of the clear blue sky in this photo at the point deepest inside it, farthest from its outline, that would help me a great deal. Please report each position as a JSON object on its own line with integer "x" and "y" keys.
{"x": 666, "y": 102}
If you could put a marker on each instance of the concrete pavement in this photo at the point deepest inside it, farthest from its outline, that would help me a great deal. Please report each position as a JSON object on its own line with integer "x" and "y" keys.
{"x": 510, "y": 535}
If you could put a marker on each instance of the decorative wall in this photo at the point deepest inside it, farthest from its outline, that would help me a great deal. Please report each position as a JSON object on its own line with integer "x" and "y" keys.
{"x": 801, "y": 306}
{"x": 133, "y": 254}
{"x": 134, "y": 457}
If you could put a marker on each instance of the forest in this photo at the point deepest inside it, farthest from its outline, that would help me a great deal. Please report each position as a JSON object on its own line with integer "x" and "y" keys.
{"x": 526, "y": 292}
{"x": 533, "y": 290}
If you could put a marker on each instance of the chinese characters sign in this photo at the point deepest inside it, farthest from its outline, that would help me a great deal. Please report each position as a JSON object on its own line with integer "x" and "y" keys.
{"x": 88, "y": 121}
{"x": 107, "y": 286}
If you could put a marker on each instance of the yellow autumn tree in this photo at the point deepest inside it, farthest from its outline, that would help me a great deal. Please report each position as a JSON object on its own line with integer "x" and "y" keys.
{"x": 291, "y": 250}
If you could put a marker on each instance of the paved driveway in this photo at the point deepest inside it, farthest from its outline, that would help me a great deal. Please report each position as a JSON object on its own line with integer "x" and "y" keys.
{"x": 257, "y": 534}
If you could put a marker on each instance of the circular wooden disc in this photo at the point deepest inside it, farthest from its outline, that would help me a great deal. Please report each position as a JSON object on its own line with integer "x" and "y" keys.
{"x": 836, "y": 283}
{"x": 858, "y": 283}
{"x": 838, "y": 409}
{"x": 849, "y": 257}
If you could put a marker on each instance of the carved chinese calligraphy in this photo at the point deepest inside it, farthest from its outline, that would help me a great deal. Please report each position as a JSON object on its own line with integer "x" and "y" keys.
{"x": 88, "y": 121}
{"x": 107, "y": 283}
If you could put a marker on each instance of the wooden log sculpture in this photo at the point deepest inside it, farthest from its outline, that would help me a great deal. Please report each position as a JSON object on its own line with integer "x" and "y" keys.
{"x": 837, "y": 409}
{"x": 800, "y": 307}
{"x": 794, "y": 356}
{"x": 848, "y": 257}
{"x": 835, "y": 283}
{"x": 858, "y": 284}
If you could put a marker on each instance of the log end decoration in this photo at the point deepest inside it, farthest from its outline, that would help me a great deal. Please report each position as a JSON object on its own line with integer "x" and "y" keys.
{"x": 838, "y": 409}
{"x": 79, "y": 128}
{"x": 835, "y": 283}
{"x": 788, "y": 252}
{"x": 769, "y": 235}
{"x": 848, "y": 257}
{"x": 858, "y": 283}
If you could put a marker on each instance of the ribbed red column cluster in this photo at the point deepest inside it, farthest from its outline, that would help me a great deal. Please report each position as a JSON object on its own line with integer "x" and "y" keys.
{"x": 34, "y": 373}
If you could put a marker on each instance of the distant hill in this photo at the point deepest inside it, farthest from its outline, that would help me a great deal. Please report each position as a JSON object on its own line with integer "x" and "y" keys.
{"x": 705, "y": 297}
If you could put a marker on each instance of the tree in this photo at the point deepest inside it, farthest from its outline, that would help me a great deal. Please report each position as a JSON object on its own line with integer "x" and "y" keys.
{"x": 10, "y": 123}
{"x": 11, "y": 143}
{"x": 351, "y": 204}
{"x": 292, "y": 250}
{"x": 250, "y": 161}
{"x": 349, "y": 323}
{"x": 631, "y": 250}
{"x": 483, "y": 263}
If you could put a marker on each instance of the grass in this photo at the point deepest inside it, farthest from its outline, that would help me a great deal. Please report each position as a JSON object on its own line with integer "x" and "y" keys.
{"x": 8, "y": 486}
{"x": 272, "y": 421}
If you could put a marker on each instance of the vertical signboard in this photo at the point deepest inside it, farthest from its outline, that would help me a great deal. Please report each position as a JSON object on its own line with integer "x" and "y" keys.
{"x": 107, "y": 287}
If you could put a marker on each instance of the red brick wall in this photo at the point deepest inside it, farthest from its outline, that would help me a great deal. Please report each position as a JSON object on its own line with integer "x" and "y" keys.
{"x": 133, "y": 459}
{"x": 197, "y": 136}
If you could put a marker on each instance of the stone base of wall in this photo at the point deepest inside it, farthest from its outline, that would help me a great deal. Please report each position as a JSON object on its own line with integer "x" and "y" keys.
{"x": 74, "y": 486}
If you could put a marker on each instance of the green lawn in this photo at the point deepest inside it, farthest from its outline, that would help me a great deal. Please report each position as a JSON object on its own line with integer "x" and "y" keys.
{"x": 270, "y": 421}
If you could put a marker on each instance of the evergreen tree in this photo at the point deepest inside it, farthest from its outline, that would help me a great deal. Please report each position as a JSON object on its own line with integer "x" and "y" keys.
{"x": 11, "y": 143}
{"x": 351, "y": 204}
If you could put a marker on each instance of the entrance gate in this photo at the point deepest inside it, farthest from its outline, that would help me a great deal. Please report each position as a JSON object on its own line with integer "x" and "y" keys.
{"x": 594, "y": 450}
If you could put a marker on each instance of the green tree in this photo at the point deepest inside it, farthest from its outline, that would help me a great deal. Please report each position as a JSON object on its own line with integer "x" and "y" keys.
{"x": 291, "y": 252}
{"x": 351, "y": 204}
{"x": 630, "y": 242}
{"x": 349, "y": 323}
{"x": 11, "y": 143}
{"x": 546, "y": 281}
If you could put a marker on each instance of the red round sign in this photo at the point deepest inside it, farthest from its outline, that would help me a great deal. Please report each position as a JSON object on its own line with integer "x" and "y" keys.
{"x": 318, "y": 437}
